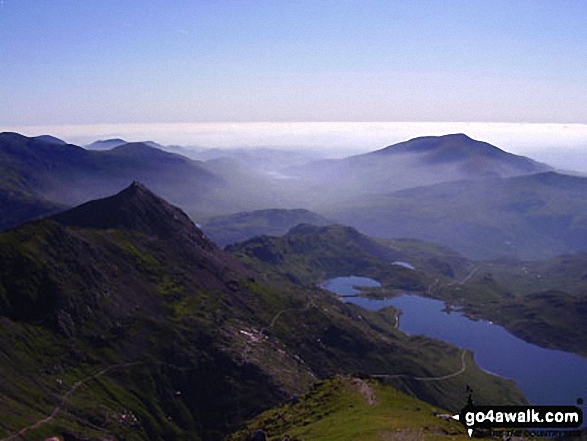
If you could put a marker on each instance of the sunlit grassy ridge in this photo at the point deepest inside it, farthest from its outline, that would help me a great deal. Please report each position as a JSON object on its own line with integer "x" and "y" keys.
{"x": 347, "y": 408}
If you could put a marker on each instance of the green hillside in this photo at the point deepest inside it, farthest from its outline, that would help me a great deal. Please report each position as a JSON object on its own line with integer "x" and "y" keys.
{"x": 353, "y": 409}
{"x": 120, "y": 319}
{"x": 542, "y": 302}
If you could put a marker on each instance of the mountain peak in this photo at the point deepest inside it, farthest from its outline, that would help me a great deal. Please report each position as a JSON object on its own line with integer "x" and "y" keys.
{"x": 453, "y": 144}
{"x": 476, "y": 157}
{"x": 135, "y": 208}
{"x": 105, "y": 144}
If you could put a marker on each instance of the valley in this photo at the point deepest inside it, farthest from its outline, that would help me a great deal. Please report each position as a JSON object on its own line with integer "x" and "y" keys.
{"x": 293, "y": 221}
{"x": 122, "y": 318}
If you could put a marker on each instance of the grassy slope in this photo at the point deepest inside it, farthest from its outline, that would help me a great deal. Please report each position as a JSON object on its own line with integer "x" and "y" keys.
{"x": 308, "y": 254}
{"x": 156, "y": 350}
{"x": 346, "y": 408}
{"x": 180, "y": 348}
{"x": 543, "y": 302}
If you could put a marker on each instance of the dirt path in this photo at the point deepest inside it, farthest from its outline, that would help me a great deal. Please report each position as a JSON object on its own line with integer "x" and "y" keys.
{"x": 365, "y": 390}
{"x": 71, "y": 390}
{"x": 467, "y": 278}
{"x": 276, "y": 317}
{"x": 440, "y": 378}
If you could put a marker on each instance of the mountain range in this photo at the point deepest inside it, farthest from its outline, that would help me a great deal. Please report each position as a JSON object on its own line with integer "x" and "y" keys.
{"x": 119, "y": 319}
{"x": 415, "y": 163}
{"x": 529, "y": 217}
{"x": 65, "y": 174}
{"x": 459, "y": 192}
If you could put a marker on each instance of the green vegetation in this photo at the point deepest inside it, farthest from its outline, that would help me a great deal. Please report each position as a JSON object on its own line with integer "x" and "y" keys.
{"x": 146, "y": 330}
{"x": 308, "y": 254}
{"x": 543, "y": 302}
{"x": 347, "y": 408}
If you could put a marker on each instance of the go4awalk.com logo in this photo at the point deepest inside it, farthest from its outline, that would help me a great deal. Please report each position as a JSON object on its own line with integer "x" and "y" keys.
{"x": 521, "y": 417}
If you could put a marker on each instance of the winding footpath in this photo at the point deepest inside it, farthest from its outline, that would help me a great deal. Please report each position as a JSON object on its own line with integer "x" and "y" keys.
{"x": 276, "y": 317}
{"x": 442, "y": 377}
{"x": 462, "y": 369}
{"x": 71, "y": 390}
{"x": 466, "y": 279}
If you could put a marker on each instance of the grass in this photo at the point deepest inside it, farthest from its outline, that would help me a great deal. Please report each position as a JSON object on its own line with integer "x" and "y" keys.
{"x": 353, "y": 409}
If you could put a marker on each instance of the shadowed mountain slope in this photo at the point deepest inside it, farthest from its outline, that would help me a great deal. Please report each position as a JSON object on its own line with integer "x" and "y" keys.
{"x": 417, "y": 162}
{"x": 238, "y": 227}
{"x": 530, "y": 217}
{"x": 51, "y": 139}
{"x": 68, "y": 175}
{"x": 105, "y": 144}
{"x": 135, "y": 209}
{"x": 125, "y": 327}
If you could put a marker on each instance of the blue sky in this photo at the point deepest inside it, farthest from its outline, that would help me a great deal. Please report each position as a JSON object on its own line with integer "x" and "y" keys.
{"x": 125, "y": 61}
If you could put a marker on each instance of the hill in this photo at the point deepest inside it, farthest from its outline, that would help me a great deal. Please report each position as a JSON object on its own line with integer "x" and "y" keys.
{"x": 414, "y": 163}
{"x": 105, "y": 144}
{"x": 51, "y": 139}
{"x": 119, "y": 319}
{"x": 310, "y": 254}
{"x": 542, "y": 302}
{"x": 475, "y": 156}
{"x": 238, "y": 227}
{"x": 346, "y": 409}
{"x": 65, "y": 174}
{"x": 528, "y": 217}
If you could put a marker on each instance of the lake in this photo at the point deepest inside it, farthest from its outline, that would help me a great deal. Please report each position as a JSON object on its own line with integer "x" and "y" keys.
{"x": 545, "y": 376}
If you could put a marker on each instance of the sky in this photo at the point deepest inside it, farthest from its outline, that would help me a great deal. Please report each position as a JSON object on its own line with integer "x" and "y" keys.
{"x": 147, "y": 63}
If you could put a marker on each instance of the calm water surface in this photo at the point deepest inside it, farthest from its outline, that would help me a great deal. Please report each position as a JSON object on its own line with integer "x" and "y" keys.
{"x": 545, "y": 376}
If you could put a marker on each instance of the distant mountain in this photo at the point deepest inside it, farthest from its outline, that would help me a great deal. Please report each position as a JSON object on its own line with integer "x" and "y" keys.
{"x": 51, "y": 139}
{"x": 66, "y": 174}
{"x": 105, "y": 144}
{"x": 261, "y": 158}
{"x": 310, "y": 253}
{"x": 224, "y": 230}
{"x": 529, "y": 217}
{"x": 18, "y": 207}
{"x": 417, "y": 162}
{"x": 461, "y": 148}
{"x": 119, "y": 319}
{"x": 108, "y": 144}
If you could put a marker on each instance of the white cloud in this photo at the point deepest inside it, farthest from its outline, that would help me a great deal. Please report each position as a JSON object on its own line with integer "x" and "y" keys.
{"x": 521, "y": 138}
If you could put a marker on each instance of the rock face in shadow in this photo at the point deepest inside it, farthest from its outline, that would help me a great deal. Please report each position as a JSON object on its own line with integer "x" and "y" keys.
{"x": 136, "y": 208}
